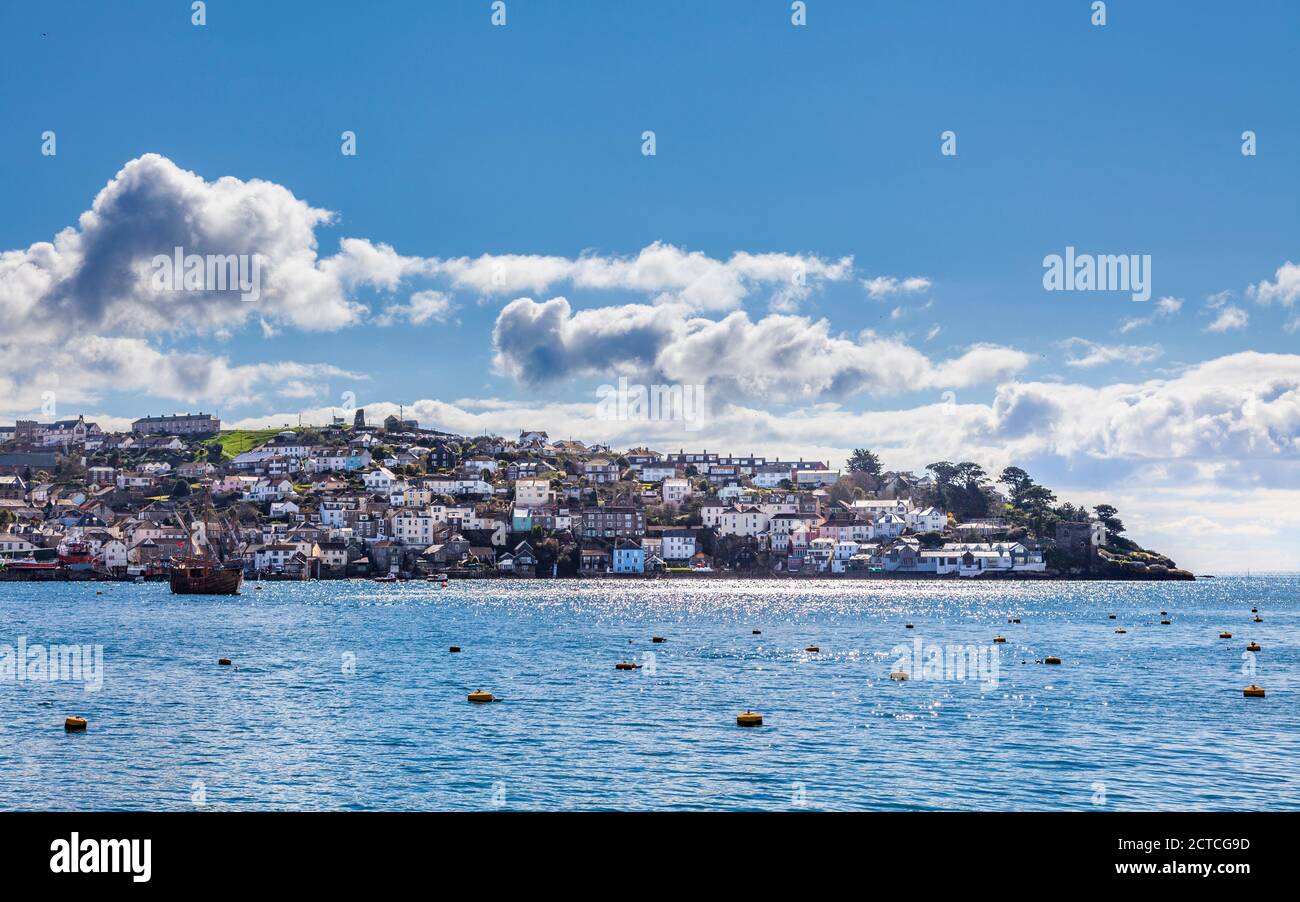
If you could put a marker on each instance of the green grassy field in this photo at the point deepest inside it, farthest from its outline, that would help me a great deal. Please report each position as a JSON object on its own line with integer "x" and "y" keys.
{"x": 237, "y": 441}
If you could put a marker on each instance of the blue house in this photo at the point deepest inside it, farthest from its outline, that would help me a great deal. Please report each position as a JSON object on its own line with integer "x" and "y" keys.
{"x": 628, "y": 557}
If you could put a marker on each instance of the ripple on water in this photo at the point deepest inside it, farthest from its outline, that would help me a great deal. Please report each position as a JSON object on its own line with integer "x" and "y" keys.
{"x": 343, "y": 696}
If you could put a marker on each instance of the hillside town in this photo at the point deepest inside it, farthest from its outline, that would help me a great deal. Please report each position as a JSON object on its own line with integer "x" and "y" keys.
{"x": 391, "y": 500}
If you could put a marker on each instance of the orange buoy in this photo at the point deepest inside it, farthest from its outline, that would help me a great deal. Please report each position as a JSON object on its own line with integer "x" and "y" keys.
{"x": 749, "y": 719}
{"x": 74, "y": 724}
{"x": 812, "y": 649}
{"x": 626, "y": 665}
{"x": 454, "y": 648}
{"x": 1253, "y": 691}
{"x": 223, "y": 662}
{"x": 481, "y": 696}
{"x": 1225, "y": 635}
{"x": 1051, "y": 659}
{"x": 1254, "y": 646}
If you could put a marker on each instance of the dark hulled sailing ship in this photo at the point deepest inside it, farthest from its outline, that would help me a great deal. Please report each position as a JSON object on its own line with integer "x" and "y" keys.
{"x": 213, "y": 569}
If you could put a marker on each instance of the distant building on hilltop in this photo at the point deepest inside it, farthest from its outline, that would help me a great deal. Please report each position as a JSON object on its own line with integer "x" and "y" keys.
{"x": 178, "y": 424}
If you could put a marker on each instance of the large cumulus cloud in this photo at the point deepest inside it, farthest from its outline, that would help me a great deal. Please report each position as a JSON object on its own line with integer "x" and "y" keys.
{"x": 778, "y": 357}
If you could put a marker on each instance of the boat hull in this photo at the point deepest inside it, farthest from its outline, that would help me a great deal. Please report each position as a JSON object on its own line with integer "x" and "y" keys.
{"x": 206, "y": 580}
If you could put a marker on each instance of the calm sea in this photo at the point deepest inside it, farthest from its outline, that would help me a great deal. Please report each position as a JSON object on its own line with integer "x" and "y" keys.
{"x": 343, "y": 695}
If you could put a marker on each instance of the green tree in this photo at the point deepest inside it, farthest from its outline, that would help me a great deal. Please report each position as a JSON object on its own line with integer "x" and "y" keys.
{"x": 1016, "y": 480}
{"x": 1106, "y": 513}
{"x": 1037, "y": 500}
{"x": 864, "y": 461}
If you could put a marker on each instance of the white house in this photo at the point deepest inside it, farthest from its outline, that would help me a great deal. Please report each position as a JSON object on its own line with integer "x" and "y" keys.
{"x": 271, "y": 490}
{"x": 742, "y": 521}
{"x": 531, "y": 493}
{"x": 676, "y": 491}
{"x": 805, "y": 479}
{"x": 889, "y": 526}
{"x": 414, "y": 527}
{"x": 380, "y": 479}
{"x": 12, "y": 546}
{"x": 931, "y": 519}
{"x": 678, "y": 545}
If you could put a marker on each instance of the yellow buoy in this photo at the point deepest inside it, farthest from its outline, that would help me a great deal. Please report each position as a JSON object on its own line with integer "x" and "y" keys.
{"x": 223, "y": 662}
{"x": 899, "y": 676}
{"x": 749, "y": 719}
{"x": 812, "y": 649}
{"x": 657, "y": 639}
{"x": 481, "y": 696}
{"x": 999, "y": 638}
{"x": 74, "y": 724}
{"x": 1254, "y": 646}
{"x": 1121, "y": 630}
{"x": 1051, "y": 659}
{"x": 454, "y": 648}
{"x": 1253, "y": 691}
{"x": 1225, "y": 635}
{"x": 626, "y": 665}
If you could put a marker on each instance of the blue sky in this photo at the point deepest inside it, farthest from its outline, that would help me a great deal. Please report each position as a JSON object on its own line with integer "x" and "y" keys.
{"x": 819, "y": 142}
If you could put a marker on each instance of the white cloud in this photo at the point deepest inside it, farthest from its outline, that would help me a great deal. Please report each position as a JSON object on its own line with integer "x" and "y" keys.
{"x": 663, "y": 271}
{"x": 1229, "y": 318}
{"x": 424, "y": 307}
{"x": 887, "y": 286}
{"x": 1087, "y": 354}
{"x": 1164, "y": 307}
{"x": 1284, "y": 289}
{"x": 780, "y": 358}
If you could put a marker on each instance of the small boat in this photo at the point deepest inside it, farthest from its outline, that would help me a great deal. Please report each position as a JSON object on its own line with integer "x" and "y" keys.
{"x": 439, "y": 578}
{"x": 30, "y": 563}
{"x": 385, "y": 579}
